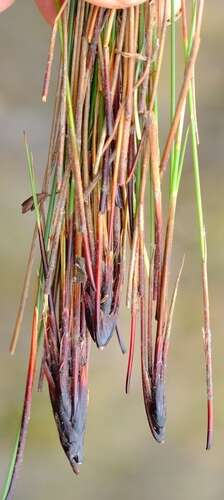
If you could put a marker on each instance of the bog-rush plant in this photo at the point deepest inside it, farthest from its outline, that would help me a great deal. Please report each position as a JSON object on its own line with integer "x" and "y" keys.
{"x": 104, "y": 155}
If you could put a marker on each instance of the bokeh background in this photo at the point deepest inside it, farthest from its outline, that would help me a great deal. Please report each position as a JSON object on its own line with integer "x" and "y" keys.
{"x": 121, "y": 459}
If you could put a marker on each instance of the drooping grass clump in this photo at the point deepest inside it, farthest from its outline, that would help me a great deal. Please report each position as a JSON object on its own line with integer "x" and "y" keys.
{"x": 104, "y": 156}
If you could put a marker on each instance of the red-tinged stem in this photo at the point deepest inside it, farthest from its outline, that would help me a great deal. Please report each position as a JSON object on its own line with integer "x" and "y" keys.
{"x": 208, "y": 353}
{"x": 27, "y": 403}
{"x": 210, "y": 424}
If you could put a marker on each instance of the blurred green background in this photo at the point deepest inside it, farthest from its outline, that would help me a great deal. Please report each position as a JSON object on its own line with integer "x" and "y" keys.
{"x": 121, "y": 459}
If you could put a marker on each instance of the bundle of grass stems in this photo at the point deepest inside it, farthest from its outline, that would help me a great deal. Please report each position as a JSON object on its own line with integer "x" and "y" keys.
{"x": 100, "y": 214}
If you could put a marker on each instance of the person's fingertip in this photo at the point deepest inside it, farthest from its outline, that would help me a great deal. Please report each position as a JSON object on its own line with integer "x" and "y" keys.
{"x": 47, "y": 9}
{"x": 5, "y": 4}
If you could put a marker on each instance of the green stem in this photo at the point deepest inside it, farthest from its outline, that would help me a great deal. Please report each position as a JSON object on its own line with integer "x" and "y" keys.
{"x": 172, "y": 82}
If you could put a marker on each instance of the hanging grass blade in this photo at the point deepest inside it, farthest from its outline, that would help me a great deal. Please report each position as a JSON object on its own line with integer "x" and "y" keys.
{"x": 203, "y": 247}
{"x": 104, "y": 158}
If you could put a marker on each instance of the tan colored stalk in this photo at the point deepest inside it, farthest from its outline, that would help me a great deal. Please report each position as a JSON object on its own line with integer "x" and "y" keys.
{"x": 85, "y": 164}
{"x": 164, "y": 288}
{"x": 91, "y": 23}
{"x": 109, "y": 27}
{"x": 94, "y": 140}
{"x": 136, "y": 22}
{"x": 115, "y": 176}
{"x": 81, "y": 90}
{"x": 56, "y": 229}
{"x": 134, "y": 310}
{"x": 28, "y": 273}
{"x": 129, "y": 98}
{"x": 79, "y": 21}
{"x": 170, "y": 316}
{"x": 162, "y": 39}
{"x": 63, "y": 106}
{"x": 137, "y": 235}
{"x": 24, "y": 295}
{"x": 47, "y": 75}
{"x": 148, "y": 52}
{"x": 101, "y": 147}
{"x": 120, "y": 43}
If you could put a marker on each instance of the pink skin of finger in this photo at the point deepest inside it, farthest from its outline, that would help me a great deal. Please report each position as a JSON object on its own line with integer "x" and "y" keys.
{"x": 5, "y": 4}
{"x": 115, "y": 4}
{"x": 48, "y": 10}
{"x": 48, "y": 7}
